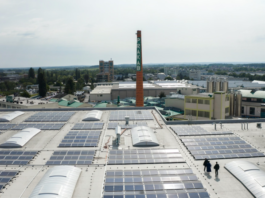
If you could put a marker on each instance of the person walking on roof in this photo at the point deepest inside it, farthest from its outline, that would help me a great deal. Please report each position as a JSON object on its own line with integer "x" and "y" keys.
{"x": 209, "y": 167}
{"x": 205, "y": 164}
{"x": 216, "y": 168}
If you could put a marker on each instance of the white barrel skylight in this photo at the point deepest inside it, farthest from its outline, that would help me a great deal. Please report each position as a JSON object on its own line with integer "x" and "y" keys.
{"x": 58, "y": 182}
{"x": 94, "y": 115}
{"x": 143, "y": 136}
{"x": 21, "y": 138}
{"x": 10, "y": 116}
{"x": 251, "y": 176}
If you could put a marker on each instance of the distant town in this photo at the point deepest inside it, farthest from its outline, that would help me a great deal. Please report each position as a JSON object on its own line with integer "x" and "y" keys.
{"x": 179, "y": 91}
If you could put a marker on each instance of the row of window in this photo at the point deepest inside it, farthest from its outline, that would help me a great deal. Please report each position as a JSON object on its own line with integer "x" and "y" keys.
{"x": 204, "y": 114}
{"x": 251, "y": 110}
{"x": 200, "y": 101}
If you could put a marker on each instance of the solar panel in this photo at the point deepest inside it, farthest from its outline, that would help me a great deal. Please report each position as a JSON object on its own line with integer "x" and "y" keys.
{"x": 88, "y": 126}
{"x": 6, "y": 126}
{"x": 220, "y": 148}
{"x": 196, "y": 131}
{"x": 16, "y": 157}
{"x": 144, "y": 156}
{"x": 63, "y": 116}
{"x": 81, "y": 139}
{"x": 153, "y": 183}
{"x": 134, "y": 115}
{"x": 6, "y": 176}
{"x": 72, "y": 157}
{"x": 46, "y": 126}
{"x": 113, "y": 125}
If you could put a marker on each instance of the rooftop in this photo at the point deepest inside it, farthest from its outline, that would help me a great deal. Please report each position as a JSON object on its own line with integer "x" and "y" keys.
{"x": 103, "y": 168}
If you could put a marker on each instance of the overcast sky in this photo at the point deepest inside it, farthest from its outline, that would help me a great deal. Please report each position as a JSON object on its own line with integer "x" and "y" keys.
{"x": 82, "y": 32}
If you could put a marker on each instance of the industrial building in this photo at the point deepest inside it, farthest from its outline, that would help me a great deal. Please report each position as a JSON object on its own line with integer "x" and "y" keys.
{"x": 106, "y": 70}
{"x": 64, "y": 156}
{"x": 204, "y": 106}
{"x": 111, "y": 91}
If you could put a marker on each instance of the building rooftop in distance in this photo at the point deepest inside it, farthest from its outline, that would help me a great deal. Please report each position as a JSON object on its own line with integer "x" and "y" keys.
{"x": 105, "y": 169}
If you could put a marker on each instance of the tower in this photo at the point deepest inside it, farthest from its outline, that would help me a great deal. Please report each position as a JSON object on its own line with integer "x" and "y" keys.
{"x": 139, "y": 72}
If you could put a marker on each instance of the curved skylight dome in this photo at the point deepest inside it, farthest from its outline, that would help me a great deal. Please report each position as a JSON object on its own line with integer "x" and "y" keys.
{"x": 58, "y": 182}
{"x": 250, "y": 175}
{"x": 94, "y": 115}
{"x": 10, "y": 116}
{"x": 21, "y": 138}
{"x": 143, "y": 136}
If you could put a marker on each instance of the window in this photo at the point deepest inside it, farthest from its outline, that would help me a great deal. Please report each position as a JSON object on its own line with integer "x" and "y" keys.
{"x": 188, "y": 112}
{"x": 194, "y": 113}
{"x": 242, "y": 110}
{"x": 254, "y": 99}
{"x": 207, "y": 102}
{"x": 200, "y": 101}
{"x": 204, "y": 114}
{"x": 188, "y": 100}
{"x": 227, "y": 110}
{"x": 194, "y": 100}
{"x": 244, "y": 98}
{"x": 251, "y": 110}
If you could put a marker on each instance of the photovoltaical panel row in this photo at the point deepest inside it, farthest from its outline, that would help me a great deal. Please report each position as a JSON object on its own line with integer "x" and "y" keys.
{"x": 145, "y": 156}
{"x": 50, "y": 117}
{"x": 220, "y": 148}
{"x": 196, "y": 131}
{"x": 48, "y": 126}
{"x": 72, "y": 157}
{"x": 6, "y": 126}
{"x": 133, "y": 115}
{"x": 153, "y": 183}
{"x": 6, "y": 176}
{"x": 113, "y": 125}
{"x": 88, "y": 126}
{"x": 16, "y": 157}
{"x": 81, "y": 139}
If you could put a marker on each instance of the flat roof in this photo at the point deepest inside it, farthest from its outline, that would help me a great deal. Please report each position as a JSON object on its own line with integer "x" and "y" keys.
{"x": 92, "y": 178}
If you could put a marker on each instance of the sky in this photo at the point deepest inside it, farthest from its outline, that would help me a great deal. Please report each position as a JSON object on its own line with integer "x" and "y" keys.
{"x": 82, "y": 32}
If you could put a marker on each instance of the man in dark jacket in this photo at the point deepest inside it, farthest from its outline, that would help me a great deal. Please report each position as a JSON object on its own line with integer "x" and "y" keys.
{"x": 216, "y": 168}
{"x": 205, "y": 164}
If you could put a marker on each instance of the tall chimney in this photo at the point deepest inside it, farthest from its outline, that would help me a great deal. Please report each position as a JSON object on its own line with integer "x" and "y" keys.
{"x": 139, "y": 72}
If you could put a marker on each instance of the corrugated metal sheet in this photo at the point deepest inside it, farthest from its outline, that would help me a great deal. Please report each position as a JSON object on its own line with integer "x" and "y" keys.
{"x": 58, "y": 182}
{"x": 94, "y": 115}
{"x": 250, "y": 175}
{"x": 10, "y": 116}
{"x": 21, "y": 138}
{"x": 143, "y": 136}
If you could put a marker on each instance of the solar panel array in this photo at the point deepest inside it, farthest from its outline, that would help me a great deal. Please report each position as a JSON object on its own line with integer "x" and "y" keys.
{"x": 81, "y": 139}
{"x": 6, "y": 126}
{"x": 220, "y": 148}
{"x": 145, "y": 156}
{"x": 153, "y": 183}
{"x": 6, "y": 176}
{"x": 63, "y": 116}
{"x": 15, "y": 157}
{"x": 196, "y": 131}
{"x": 88, "y": 126}
{"x": 50, "y": 126}
{"x": 72, "y": 157}
{"x": 113, "y": 125}
{"x": 134, "y": 115}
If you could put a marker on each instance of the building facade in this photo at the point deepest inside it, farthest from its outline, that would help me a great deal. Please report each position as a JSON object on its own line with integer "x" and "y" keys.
{"x": 106, "y": 70}
{"x": 253, "y": 104}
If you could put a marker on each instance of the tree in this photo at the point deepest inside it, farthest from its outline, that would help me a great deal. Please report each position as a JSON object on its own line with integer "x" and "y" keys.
{"x": 39, "y": 71}
{"x": 162, "y": 95}
{"x": 80, "y": 84}
{"x": 25, "y": 94}
{"x": 86, "y": 77}
{"x": 169, "y": 78}
{"x": 69, "y": 86}
{"x": 31, "y": 73}
{"x": 42, "y": 85}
